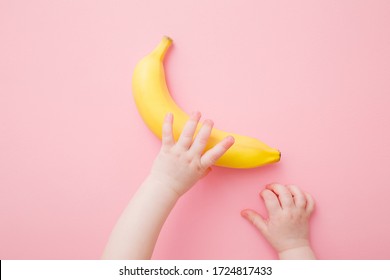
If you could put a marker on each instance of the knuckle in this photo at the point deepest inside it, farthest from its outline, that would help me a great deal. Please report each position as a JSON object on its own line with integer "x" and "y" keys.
{"x": 212, "y": 160}
{"x": 202, "y": 140}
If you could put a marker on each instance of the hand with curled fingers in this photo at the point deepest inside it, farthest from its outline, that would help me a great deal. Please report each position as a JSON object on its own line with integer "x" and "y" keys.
{"x": 287, "y": 226}
{"x": 180, "y": 165}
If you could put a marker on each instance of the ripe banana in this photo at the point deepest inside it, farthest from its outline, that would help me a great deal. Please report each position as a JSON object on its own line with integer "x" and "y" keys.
{"x": 154, "y": 101}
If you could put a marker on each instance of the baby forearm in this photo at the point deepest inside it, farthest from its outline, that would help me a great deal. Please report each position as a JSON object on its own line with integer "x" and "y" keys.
{"x": 136, "y": 232}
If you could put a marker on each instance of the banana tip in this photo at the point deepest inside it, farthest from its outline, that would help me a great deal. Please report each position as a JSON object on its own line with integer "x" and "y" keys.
{"x": 162, "y": 47}
{"x": 168, "y": 38}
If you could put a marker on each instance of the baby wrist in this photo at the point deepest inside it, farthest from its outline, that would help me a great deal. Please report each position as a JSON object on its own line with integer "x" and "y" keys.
{"x": 160, "y": 188}
{"x": 297, "y": 253}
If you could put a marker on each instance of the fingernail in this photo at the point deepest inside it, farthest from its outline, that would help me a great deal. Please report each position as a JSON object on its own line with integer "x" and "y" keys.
{"x": 244, "y": 213}
{"x": 231, "y": 139}
{"x": 195, "y": 115}
{"x": 208, "y": 122}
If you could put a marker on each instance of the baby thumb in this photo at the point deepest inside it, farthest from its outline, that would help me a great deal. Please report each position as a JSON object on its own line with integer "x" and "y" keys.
{"x": 255, "y": 218}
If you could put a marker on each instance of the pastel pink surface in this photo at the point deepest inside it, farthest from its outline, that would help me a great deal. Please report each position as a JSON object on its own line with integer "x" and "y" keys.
{"x": 308, "y": 77}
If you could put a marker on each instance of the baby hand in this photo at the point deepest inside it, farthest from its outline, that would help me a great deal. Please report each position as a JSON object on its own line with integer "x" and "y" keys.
{"x": 287, "y": 227}
{"x": 180, "y": 165}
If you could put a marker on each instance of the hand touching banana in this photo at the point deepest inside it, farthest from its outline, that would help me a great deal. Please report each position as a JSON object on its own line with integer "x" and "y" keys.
{"x": 154, "y": 101}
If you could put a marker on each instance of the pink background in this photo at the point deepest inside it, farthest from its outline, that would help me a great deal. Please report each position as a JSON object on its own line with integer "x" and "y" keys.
{"x": 308, "y": 77}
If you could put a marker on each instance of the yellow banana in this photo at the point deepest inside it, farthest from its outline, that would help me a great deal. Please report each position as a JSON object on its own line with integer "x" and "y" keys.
{"x": 154, "y": 101}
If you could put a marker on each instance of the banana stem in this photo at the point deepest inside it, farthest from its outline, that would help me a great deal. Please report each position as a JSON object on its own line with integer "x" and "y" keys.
{"x": 162, "y": 47}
